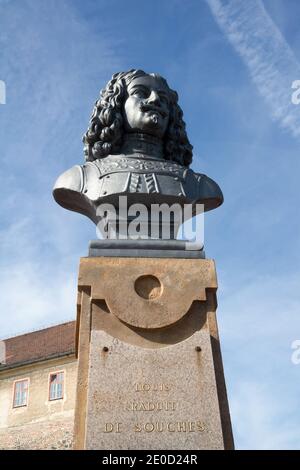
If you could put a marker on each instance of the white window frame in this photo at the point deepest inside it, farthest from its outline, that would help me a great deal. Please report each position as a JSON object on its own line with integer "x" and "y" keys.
{"x": 25, "y": 379}
{"x": 63, "y": 385}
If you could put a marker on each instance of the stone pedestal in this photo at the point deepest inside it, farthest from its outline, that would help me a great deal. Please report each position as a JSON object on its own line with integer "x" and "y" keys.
{"x": 150, "y": 372}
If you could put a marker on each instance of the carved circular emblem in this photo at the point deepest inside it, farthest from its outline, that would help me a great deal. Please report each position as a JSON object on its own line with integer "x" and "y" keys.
{"x": 148, "y": 287}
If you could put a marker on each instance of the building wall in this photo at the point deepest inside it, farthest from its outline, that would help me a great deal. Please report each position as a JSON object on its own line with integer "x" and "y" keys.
{"x": 42, "y": 424}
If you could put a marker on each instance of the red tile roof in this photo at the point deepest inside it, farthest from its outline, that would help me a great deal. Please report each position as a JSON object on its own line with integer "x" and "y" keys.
{"x": 38, "y": 345}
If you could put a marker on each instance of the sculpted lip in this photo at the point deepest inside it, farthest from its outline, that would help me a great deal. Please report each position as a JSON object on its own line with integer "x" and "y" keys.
{"x": 147, "y": 107}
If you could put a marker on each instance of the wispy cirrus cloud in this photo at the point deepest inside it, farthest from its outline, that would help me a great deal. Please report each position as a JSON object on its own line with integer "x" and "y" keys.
{"x": 270, "y": 60}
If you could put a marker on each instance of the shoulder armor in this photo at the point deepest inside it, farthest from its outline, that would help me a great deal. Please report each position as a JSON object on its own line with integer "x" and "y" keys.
{"x": 71, "y": 179}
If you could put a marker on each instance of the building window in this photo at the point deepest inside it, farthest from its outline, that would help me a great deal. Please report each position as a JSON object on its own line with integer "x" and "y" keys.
{"x": 56, "y": 388}
{"x": 21, "y": 393}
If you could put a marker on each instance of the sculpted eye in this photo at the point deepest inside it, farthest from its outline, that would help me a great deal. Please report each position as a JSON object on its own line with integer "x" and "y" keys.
{"x": 140, "y": 92}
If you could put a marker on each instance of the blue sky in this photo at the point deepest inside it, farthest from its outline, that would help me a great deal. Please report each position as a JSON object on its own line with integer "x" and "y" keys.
{"x": 233, "y": 63}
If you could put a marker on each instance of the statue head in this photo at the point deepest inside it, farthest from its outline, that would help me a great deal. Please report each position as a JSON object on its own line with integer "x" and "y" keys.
{"x": 137, "y": 102}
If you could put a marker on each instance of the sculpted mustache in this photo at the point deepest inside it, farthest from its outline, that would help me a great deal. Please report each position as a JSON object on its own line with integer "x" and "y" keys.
{"x": 148, "y": 107}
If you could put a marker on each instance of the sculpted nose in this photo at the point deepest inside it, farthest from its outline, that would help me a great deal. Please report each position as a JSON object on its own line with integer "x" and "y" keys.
{"x": 154, "y": 97}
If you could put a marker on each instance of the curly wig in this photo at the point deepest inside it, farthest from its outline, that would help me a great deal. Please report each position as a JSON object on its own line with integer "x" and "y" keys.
{"x": 105, "y": 133}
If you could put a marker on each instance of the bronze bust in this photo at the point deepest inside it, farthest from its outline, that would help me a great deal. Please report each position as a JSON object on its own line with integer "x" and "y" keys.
{"x": 136, "y": 145}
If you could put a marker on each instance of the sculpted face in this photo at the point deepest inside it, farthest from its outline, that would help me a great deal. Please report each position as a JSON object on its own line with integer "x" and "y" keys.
{"x": 146, "y": 108}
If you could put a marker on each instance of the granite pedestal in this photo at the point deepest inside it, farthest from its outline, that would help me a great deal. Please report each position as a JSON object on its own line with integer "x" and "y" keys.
{"x": 150, "y": 372}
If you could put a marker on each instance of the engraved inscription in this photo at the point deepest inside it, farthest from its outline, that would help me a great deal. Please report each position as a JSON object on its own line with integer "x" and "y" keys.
{"x": 112, "y": 427}
{"x": 155, "y": 426}
{"x": 147, "y": 387}
{"x": 159, "y": 426}
{"x": 152, "y": 406}
{"x": 179, "y": 426}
